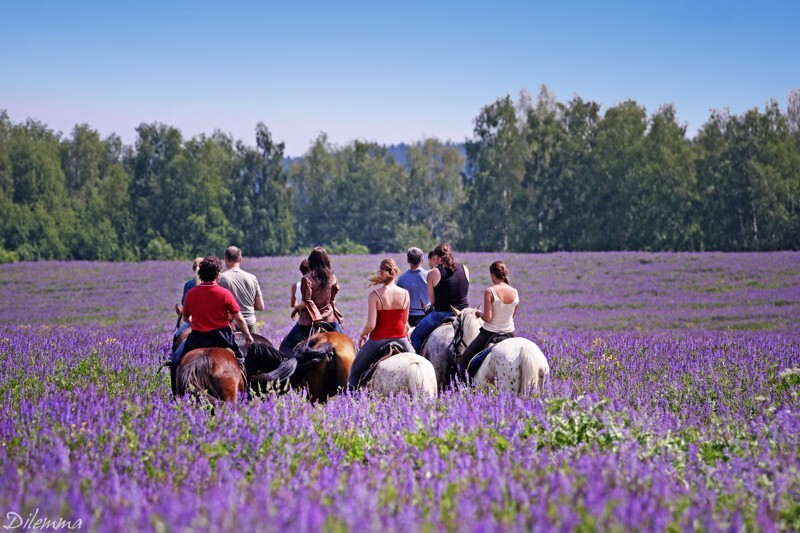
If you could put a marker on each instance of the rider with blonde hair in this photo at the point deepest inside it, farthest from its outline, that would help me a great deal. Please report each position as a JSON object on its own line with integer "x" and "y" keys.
{"x": 387, "y": 319}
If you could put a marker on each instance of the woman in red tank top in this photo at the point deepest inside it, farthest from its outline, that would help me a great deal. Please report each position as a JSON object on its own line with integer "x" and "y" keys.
{"x": 387, "y": 319}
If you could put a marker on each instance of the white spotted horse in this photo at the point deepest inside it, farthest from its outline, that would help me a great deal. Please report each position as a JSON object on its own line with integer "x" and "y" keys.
{"x": 513, "y": 364}
{"x": 437, "y": 349}
{"x": 396, "y": 371}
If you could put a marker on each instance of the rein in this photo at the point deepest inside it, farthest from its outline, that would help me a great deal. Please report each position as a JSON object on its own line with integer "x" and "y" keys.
{"x": 458, "y": 340}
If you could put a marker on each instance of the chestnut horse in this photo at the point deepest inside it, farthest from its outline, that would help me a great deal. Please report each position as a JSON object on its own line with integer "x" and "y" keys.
{"x": 213, "y": 371}
{"x": 323, "y": 364}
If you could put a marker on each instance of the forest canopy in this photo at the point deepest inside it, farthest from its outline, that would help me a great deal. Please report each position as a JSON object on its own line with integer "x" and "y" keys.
{"x": 536, "y": 176}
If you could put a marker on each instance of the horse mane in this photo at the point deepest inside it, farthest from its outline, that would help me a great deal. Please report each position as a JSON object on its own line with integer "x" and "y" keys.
{"x": 308, "y": 355}
{"x": 195, "y": 374}
{"x": 265, "y": 356}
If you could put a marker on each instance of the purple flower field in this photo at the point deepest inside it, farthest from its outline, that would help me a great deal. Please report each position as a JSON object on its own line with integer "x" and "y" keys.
{"x": 672, "y": 405}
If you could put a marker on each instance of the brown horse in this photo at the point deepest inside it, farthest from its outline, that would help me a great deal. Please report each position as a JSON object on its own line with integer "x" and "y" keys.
{"x": 213, "y": 371}
{"x": 323, "y": 364}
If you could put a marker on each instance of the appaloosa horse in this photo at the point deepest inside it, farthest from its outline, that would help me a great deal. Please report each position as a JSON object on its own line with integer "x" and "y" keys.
{"x": 436, "y": 349}
{"x": 513, "y": 364}
{"x": 401, "y": 372}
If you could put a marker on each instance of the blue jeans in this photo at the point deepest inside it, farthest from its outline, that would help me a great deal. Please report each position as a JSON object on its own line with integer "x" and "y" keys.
{"x": 426, "y": 327}
{"x": 181, "y": 329}
{"x": 298, "y": 333}
{"x": 178, "y": 353}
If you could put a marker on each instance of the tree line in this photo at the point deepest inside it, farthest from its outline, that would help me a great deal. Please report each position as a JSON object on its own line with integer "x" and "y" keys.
{"x": 536, "y": 176}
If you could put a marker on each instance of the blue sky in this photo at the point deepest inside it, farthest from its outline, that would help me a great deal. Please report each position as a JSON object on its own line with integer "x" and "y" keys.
{"x": 384, "y": 72}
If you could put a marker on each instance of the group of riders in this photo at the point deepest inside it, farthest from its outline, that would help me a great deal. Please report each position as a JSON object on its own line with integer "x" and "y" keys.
{"x": 418, "y": 301}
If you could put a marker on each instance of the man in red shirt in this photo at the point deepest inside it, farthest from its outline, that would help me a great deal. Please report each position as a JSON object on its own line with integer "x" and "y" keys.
{"x": 209, "y": 307}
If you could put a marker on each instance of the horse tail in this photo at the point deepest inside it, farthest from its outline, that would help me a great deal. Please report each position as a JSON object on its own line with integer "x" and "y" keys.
{"x": 196, "y": 375}
{"x": 419, "y": 379}
{"x": 527, "y": 368}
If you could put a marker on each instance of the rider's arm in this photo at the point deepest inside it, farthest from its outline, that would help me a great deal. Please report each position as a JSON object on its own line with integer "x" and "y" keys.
{"x": 239, "y": 319}
{"x": 434, "y": 276}
{"x": 258, "y": 305}
{"x": 372, "y": 318}
{"x": 486, "y": 314}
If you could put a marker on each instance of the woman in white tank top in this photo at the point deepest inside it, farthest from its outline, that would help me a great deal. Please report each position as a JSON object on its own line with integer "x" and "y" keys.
{"x": 500, "y": 305}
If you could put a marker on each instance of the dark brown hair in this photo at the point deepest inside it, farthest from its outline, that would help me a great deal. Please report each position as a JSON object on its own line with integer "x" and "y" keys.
{"x": 209, "y": 268}
{"x": 319, "y": 265}
{"x": 304, "y": 267}
{"x": 445, "y": 253}
{"x": 500, "y": 271}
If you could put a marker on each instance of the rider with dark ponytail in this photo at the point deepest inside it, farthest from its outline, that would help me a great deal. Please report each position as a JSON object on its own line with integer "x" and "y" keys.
{"x": 500, "y": 305}
{"x": 448, "y": 286}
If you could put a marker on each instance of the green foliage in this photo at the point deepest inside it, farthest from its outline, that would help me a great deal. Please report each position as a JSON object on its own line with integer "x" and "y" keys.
{"x": 414, "y": 235}
{"x": 158, "y": 249}
{"x": 540, "y": 176}
{"x": 8, "y": 257}
{"x": 346, "y": 247}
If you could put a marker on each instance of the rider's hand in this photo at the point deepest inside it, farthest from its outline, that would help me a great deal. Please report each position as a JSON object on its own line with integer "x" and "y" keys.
{"x": 361, "y": 340}
{"x": 248, "y": 339}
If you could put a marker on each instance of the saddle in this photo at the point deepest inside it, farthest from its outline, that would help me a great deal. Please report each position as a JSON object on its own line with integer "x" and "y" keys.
{"x": 477, "y": 360}
{"x": 447, "y": 321}
{"x": 384, "y": 353}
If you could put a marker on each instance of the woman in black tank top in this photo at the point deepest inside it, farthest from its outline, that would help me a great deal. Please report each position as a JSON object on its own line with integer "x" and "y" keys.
{"x": 448, "y": 285}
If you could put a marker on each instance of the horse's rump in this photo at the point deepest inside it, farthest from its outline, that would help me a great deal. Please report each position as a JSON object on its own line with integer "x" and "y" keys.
{"x": 479, "y": 358}
{"x": 386, "y": 351}
{"x": 405, "y": 372}
{"x": 323, "y": 363}
{"x": 215, "y": 371}
{"x": 514, "y": 364}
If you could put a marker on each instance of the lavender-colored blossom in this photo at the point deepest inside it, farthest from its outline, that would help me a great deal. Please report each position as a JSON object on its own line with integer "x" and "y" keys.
{"x": 672, "y": 404}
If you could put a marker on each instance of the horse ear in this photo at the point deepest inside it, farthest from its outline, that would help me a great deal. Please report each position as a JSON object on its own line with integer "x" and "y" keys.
{"x": 456, "y": 311}
{"x": 479, "y": 307}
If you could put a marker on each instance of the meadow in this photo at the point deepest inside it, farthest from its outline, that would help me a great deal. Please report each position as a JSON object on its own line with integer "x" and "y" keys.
{"x": 672, "y": 406}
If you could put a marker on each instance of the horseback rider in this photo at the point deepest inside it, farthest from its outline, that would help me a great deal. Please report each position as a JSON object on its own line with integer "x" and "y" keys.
{"x": 448, "y": 286}
{"x": 209, "y": 308}
{"x": 184, "y": 325}
{"x": 415, "y": 281}
{"x": 243, "y": 285}
{"x": 319, "y": 289}
{"x": 387, "y": 317}
{"x": 500, "y": 303}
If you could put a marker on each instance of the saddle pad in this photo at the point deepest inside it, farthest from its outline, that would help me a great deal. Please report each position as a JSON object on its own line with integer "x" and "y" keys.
{"x": 384, "y": 353}
{"x": 476, "y": 362}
